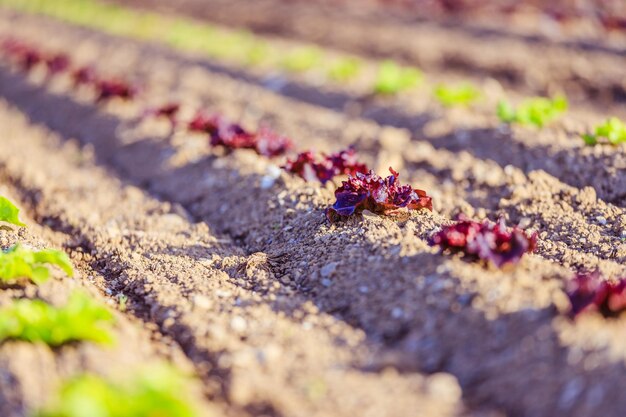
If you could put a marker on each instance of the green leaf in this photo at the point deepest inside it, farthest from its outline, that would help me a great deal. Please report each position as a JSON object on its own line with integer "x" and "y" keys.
{"x": 302, "y": 59}
{"x": 156, "y": 391}
{"x": 461, "y": 95}
{"x": 537, "y": 111}
{"x": 81, "y": 319}
{"x": 19, "y": 262}
{"x": 345, "y": 69}
{"x": 613, "y": 131}
{"x": 9, "y": 213}
{"x": 392, "y": 78}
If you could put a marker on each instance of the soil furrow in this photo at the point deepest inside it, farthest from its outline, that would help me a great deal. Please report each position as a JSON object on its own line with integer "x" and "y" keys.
{"x": 259, "y": 346}
{"x": 21, "y": 389}
{"x": 560, "y": 154}
{"x": 590, "y": 236}
{"x": 465, "y": 314}
{"x": 594, "y": 73}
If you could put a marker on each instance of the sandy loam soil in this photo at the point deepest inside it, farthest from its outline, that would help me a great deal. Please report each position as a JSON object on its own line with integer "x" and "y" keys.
{"x": 584, "y": 70}
{"x": 280, "y": 313}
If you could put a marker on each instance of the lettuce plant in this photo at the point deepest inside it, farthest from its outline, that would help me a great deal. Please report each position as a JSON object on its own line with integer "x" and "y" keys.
{"x": 269, "y": 143}
{"x": 487, "y": 241}
{"x": 109, "y": 89}
{"x": 591, "y": 292}
{"x": 461, "y": 95}
{"x": 302, "y": 59}
{"x": 85, "y": 75}
{"x": 323, "y": 169}
{"x": 168, "y": 111}
{"x": 19, "y": 262}
{"x": 9, "y": 213}
{"x": 80, "y": 319}
{"x": 233, "y": 136}
{"x": 154, "y": 391}
{"x": 392, "y": 78}
{"x": 376, "y": 194}
{"x": 537, "y": 111}
{"x": 25, "y": 56}
{"x": 57, "y": 63}
{"x": 345, "y": 69}
{"x": 612, "y": 131}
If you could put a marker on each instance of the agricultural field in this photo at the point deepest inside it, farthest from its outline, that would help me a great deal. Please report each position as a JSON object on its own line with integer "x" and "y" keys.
{"x": 280, "y": 208}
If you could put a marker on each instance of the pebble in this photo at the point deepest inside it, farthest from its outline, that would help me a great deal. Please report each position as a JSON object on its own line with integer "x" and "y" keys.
{"x": 202, "y": 301}
{"x": 364, "y": 289}
{"x": 326, "y": 282}
{"x": 328, "y": 269}
{"x": 397, "y": 313}
{"x": 601, "y": 220}
{"x": 238, "y": 324}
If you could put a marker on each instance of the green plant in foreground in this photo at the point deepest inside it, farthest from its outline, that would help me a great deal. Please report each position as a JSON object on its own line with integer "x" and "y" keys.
{"x": 9, "y": 213}
{"x": 461, "y": 95}
{"x": 19, "y": 262}
{"x": 82, "y": 318}
{"x": 613, "y": 130}
{"x": 535, "y": 111}
{"x": 393, "y": 78}
{"x": 156, "y": 391}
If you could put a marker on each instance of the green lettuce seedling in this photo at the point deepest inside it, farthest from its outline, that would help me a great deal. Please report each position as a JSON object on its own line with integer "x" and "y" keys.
{"x": 9, "y": 213}
{"x": 302, "y": 59}
{"x": 81, "y": 319}
{"x": 19, "y": 262}
{"x": 392, "y": 78}
{"x": 612, "y": 131}
{"x": 345, "y": 69}
{"x": 536, "y": 111}
{"x": 461, "y": 95}
{"x": 157, "y": 391}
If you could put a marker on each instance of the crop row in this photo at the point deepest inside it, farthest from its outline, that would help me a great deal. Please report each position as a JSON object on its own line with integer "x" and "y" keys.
{"x": 246, "y": 49}
{"x": 155, "y": 388}
{"x": 366, "y": 191}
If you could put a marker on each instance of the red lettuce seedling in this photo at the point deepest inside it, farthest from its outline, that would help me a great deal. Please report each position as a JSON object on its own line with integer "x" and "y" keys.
{"x": 24, "y": 55}
{"x": 325, "y": 169}
{"x": 230, "y": 135}
{"x": 108, "y": 89}
{"x": 221, "y": 131}
{"x": 270, "y": 143}
{"x": 201, "y": 123}
{"x": 84, "y": 76}
{"x": 486, "y": 241}
{"x": 233, "y": 136}
{"x": 590, "y": 292}
{"x": 168, "y": 111}
{"x": 376, "y": 194}
{"x": 57, "y": 64}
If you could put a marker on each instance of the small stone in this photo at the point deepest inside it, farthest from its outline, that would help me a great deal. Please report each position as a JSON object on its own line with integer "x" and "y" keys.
{"x": 326, "y": 282}
{"x": 238, "y": 324}
{"x": 601, "y": 220}
{"x": 364, "y": 289}
{"x": 524, "y": 222}
{"x": 328, "y": 269}
{"x": 397, "y": 313}
{"x": 202, "y": 301}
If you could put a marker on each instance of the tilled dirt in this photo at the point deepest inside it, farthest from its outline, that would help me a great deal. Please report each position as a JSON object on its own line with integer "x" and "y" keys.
{"x": 587, "y": 71}
{"x": 218, "y": 304}
{"x": 30, "y": 375}
{"x": 283, "y": 314}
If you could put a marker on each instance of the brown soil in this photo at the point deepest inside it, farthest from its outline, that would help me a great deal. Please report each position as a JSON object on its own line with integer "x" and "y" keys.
{"x": 534, "y": 65}
{"x": 281, "y": 313}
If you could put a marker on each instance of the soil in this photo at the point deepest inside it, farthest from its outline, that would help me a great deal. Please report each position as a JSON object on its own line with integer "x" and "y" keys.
{"x": 233, "y": 271}
{"x": 534, "y": 65}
